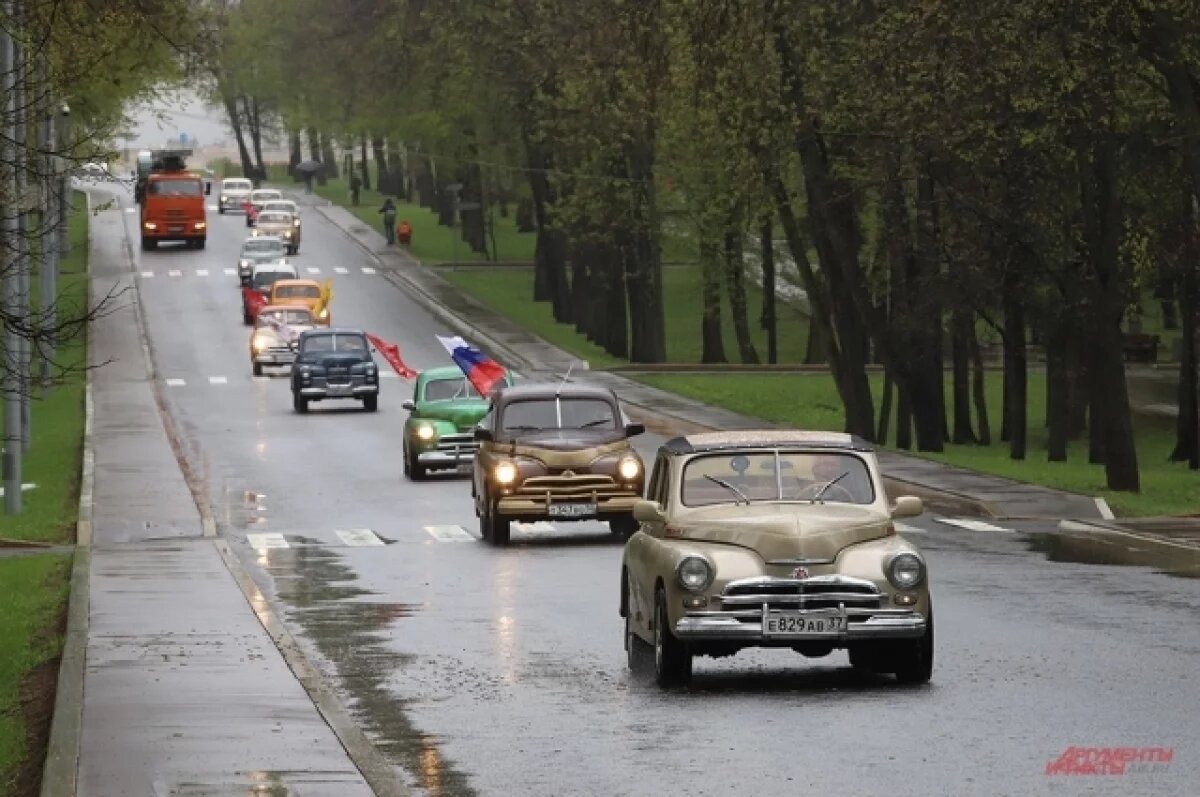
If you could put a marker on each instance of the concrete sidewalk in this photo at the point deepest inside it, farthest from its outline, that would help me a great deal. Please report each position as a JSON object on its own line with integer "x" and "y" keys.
{"x": 183, "y": 689}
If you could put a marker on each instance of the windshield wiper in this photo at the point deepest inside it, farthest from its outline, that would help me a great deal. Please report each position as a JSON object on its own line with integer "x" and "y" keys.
{"x": 597, "y": 422}
{"x": 741, "y": 496}
{"x": 522, "y": 428}
{"x": 827, "y": 485}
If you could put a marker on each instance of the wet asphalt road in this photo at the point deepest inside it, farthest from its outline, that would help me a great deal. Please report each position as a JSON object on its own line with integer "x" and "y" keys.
{"x": 501, "y": 672}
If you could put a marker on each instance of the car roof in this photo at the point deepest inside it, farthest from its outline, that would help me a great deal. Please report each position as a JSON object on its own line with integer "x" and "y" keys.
{"x": 300, "y": 281}
{"x": 235, "y": 180}
{"x": 442, "y": 372}
{"x": 308, "y": 333}
{"x": 299, "y": 308}
{"x": 765, "y": 438}
{"x": 271, "y": 238}
{"x": 539, "y": 390}
{"x": 275, "y": 265}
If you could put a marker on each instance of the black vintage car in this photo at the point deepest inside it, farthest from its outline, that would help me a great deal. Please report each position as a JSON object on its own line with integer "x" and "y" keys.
{"x": 334, "y": 363}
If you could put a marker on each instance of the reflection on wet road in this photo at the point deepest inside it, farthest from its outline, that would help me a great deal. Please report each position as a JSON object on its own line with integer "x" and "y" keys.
{"x": 501, "y": 672}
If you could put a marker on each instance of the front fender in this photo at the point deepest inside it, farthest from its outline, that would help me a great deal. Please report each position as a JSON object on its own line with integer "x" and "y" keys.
{"x": 867, "y": 560}
{"x": 662, "y": 557}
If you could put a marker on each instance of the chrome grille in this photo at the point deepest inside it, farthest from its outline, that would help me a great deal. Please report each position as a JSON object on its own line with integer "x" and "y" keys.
{"x": 173, "y": 213}
{"x": 819, "y": 592}
{"x": 588, "y": 486}
{"x": 458, "y": 444}
{"x": 338, "y": 374}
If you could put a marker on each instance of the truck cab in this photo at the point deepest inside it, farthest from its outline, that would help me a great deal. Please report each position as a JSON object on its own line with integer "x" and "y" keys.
{"x": 173, "y": 203}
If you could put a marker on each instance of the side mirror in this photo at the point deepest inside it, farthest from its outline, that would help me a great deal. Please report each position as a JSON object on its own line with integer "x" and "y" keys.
{"x": 634, "y": 429}
{"x": 483, "y": 435}
{"x": 409, "y": 405}
{"x": 208, "y": 189}
{"x": 907, "y": 506}
{"x": 649, "y": 512}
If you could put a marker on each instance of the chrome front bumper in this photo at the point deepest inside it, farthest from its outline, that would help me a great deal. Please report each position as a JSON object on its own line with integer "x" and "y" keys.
{"x": 746, "y": 625}
{"x": 324, "y": 392}
{"x": 445, "y": 459}
{"x": 274, "y": 358}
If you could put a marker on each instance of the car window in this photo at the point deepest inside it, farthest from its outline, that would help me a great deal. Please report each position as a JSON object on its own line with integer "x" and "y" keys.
{"x": 291, "y": 317}
{"x": 318, "y": 344}
{"x": 264, "y": 278}
{"x": 452, "y": 388}
{"x": 657, "y": 491}
{"x": 777, "y": 476}
{"x": 263, "y": 247}
{"x": 263, "y": 196}
{"x": 576, "y": 413}
{"x": 298, "y": 292}
{"x": 236, "y": 185}
{"x": 176, "y": 188}
{"x": 274, "y": 218}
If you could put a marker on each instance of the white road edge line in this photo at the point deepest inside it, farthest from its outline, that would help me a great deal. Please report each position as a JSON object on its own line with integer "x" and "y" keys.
{"x": 368, "y": 270}
{"x": 971, "y": 525}
{"x": 174, "y": 273}
{"x": 449, "y": 533}
{"x": 175, "y": 382}
{"x": 1105, "y": 511}
{"x": 231, "y": 272}
{"x": 537, "y": 527}
{"x": 146, "y": 274}
{"x": 905, "y": 528}
{"x": 201, "y": 272}
{"x": 313, "y": 270}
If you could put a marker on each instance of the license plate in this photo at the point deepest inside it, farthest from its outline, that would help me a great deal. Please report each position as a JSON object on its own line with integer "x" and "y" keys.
{"x": 340, "y": 392}
{"x": 176, "y": 228}
{"x": 464, "y": 467}
{"x": 796, "y": 624}
{"x": 571, "y": 510}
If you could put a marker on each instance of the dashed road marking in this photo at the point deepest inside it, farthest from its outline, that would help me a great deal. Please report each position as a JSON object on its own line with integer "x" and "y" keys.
{"x": 340, "y": 270}
{"x": 537, "y": 527}
{"x": 358, "y": 537}
{"x": 904, "y": 528}
{"x": 174, "y": 273}
{"x": 368, "y": 270}
{"x": 146, "y": 274}
{"x": 175, "y": 383}
{"x": 218, "y": 380}
{"x": 262, "y": 542}
{"x": 970, "y": 524}
{"x": 201, "y": 272}
{"x": 449, "y": 533}
{"x": 231, "y": 272}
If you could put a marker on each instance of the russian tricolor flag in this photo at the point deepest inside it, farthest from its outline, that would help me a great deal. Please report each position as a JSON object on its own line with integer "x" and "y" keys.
{"x": 482, "y": 371}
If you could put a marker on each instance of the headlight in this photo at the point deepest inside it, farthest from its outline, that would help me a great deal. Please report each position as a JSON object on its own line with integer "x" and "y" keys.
{"x": 694, "y": 573}
{"x": 906, "y": 570}
{"x": 629, "y": 469}
{"x": 244, "y": 264}
{"x": 295, "y": 222}
{"x": 505, "y": 473}
{"x": 425, "y": 432}
{"x": 260, "y": 342}
{"x": 324, "y": 313}
{"x": 150, "y": 225}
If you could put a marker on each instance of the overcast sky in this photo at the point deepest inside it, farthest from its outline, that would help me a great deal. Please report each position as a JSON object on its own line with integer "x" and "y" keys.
{"x": 184, "y": 113}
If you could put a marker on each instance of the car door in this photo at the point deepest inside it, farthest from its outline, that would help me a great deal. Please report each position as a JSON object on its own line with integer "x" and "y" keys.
{"x": 639, "y": 551}
{"x": 483, "y": 459}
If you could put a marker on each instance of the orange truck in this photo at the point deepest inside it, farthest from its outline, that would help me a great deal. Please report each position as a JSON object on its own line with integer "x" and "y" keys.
{"x": 173, "y": 204}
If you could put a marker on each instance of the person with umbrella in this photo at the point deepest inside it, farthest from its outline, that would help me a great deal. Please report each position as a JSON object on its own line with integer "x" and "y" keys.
{"x": 308, "y": 168}
{"x": 389, "y": 220}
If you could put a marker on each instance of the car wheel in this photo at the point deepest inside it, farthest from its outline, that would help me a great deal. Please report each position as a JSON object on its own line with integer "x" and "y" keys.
{"x": 913, "y": 660}
{"x": 413, "y": 469}
{"x": 299, "y": 403}
{"x": 371, "y": 403}
{"x": 149, "y": 244}
{"x": 672, "y": 660}
{"x": 635, "y": 647}
{"x": 624, "y": 527}
{"x": 221, "y": 210}
{"x": 246, "y": 319}
{"x": 501, "y": 530}
{"x": 258, "y": 369}
{"x": 485, "y": 526}
{"x": 200, "y": 243}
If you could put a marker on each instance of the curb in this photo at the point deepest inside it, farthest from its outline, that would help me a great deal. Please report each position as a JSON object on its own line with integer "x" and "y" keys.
{"x": 61, "y": 768}
{"x": 1091, "y": 527}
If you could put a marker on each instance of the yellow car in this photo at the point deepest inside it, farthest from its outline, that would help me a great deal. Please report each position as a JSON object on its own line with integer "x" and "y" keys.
{"x": 308, "y": 293}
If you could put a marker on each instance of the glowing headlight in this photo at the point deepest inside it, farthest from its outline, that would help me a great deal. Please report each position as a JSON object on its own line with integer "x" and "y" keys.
{"x": 244, "y": 263}
{"x": 295, "y": 222}
{"x": 150, "y": 225}
{"x": 260, "y": 343}
{"x": 425, "y": 432}
{"x": 505, "y": 473}
{"x": 324, "y": 313}
{"x": 694, "y": 573}
{"x": 906, "y": 571}
{"x": 629, "y": 469}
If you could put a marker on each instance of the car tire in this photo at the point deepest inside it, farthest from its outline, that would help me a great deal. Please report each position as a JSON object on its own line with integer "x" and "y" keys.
{"x": 221, "y": 210}
{"x": 672, "y": 659}
{"x": 635, "y": 647}
{"x": 496, "y": 530}
{"x": 149, "y": 244}
{"x": 200, "y": 243}
{"x": 413, "y": 469}
{"x": 485, "y": 527}
{"x": 246, "y": 319}
{"x": 912, "y": 660}
{"x": 258, "y": 370}
{"x": 299, "y": 403}
{"x": 371, "y": 403}
{"x": 624, "y": 527}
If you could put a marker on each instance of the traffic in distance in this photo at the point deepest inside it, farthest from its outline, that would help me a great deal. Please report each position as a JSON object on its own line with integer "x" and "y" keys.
{"x": 733, "y": 540}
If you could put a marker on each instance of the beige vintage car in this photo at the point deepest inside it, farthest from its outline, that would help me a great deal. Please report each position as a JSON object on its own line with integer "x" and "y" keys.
{"x": 774, "y": 539}
{"x": 281, "y": 225}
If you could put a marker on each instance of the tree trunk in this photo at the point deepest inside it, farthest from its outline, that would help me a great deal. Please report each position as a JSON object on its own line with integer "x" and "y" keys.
{"x": 328, "y": 158}
{"x": 396, "y": 182}
{"x": 643, "y": 268}
{"x": 474, "y": 232}
{"x": 962, "y": 323}
{"x": 927, "y": 381}
{"x": 767, "y": 245}
{"x": 735, "y": 283}
{"x": 550, "y": 269}
{"x": 979, "y": 393}
{"x": 314, "y": 144}
{"x": 712, "y": 343}
{"x": 1187, "y": 429}
{"x": 1016, "y": 398}
{"x": 382, "y": 172}
{"x": 422, "y": 169}
{"x": 615, "y": 329}
{"x": 816, "y": 349}
{"x": 364, "y": 166}
{"x": 1058, "y": 392}
{"x": 295, "y": 151}
{"x": 235, "y": 121}
{"x": 256, "y": 134}
{"x": 583, "y": 300}
{"x": 904, "y": 425}
{"x": 885, "y": 410}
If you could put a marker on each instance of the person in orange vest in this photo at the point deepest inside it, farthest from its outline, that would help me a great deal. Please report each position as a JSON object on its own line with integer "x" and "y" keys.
{"x": 404, "y": 232}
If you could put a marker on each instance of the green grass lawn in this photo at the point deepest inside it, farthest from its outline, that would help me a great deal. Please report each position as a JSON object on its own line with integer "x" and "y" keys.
{"x": 810, "y": 401}
{"x": 34, "y": 589}
{"x": 510, "y": 291}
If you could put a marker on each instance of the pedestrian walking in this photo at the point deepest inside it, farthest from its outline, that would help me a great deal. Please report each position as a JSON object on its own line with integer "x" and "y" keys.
{"x": 355, "y": 186}
{"x": 389, "y": 220}
{"x": 308, "y": 178}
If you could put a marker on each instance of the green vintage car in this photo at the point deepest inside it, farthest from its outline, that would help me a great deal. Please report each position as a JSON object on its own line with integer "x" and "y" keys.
{"x": 440, "y": 431}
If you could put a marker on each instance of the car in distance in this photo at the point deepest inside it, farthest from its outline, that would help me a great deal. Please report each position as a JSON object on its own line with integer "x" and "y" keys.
{"x": 256, "y": 250}
{"x": 255, "y": 201}
{"x": 334, "y": 364}
{"x": 555, "y": 452}
{"x": 277, "y": 328}
{"x": 301, "y": 291}
{"x": 235, "y": 191}
{"x": 774, "y": 539}
{"x": 279, "y": 224}
{"x": 442, "y": 415}
{"x": 262, "y": 277}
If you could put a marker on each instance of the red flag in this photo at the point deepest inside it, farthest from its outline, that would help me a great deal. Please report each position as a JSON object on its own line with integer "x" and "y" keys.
{"x": 391, "y": 353}
{"x": 255, "y": 301}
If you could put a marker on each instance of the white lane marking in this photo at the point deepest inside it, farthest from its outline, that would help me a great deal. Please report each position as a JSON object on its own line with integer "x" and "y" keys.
{"x": 313, "y": 270}
{"x": 174, "y": 273}
{"x": 904, "y": 528}
{"x": 340, "y": 270}
{"x": 231, "y": 272}
{"x": 537, "y": 527}
{"x": 971, "y": 525}
{"x": 131, "y": 210}
{"x": 1105, "y": 511}
{"x": 147, "y": 274}
{"x": 261, "y": 542}
{"x": 175, "y": 383}
{"x": 201, "y": 272}
{"x": 367, "y": 270}
{"x": 358, "y": 537}
{"x": 218, "y": 380}
{"x": 449, "y": 533}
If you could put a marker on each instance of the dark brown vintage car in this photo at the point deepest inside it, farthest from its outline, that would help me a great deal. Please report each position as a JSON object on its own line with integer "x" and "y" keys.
{"x": 557, "y": 452}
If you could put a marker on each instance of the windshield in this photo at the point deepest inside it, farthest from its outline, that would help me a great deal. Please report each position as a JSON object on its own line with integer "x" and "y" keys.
{"x": 453, "y": 388}
{"x": 292, "y": 317}
{"x": 334, "y": 342}
{"x": 274, "y": 218}
{"x": 298, "y": 292}
{"x": 576, "y": 413}
{"x": 264, "y": 278}
{"x": 280, "y": 206}
{"x": 825, "y": 476}
{"x": 263, "y": 196}
{"x": 176, "y": 188}
{"x": 236, "y": 185}
{"x": 263, "y": 247}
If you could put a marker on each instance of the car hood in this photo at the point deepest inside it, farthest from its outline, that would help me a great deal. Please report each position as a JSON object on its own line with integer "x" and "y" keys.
{"x": 786, "y": 531}
{"x": 263, "y": 257}
{"x": 274, "y": 333}
{"x": 269, "y": 228}
{"x": 463, "y": 414}
{"x": 565, "y": 439}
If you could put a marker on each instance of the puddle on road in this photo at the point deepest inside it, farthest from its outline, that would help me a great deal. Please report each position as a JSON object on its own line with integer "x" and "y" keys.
{"x": 1100, "y": 548}
{"x": 349, "y": 631}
